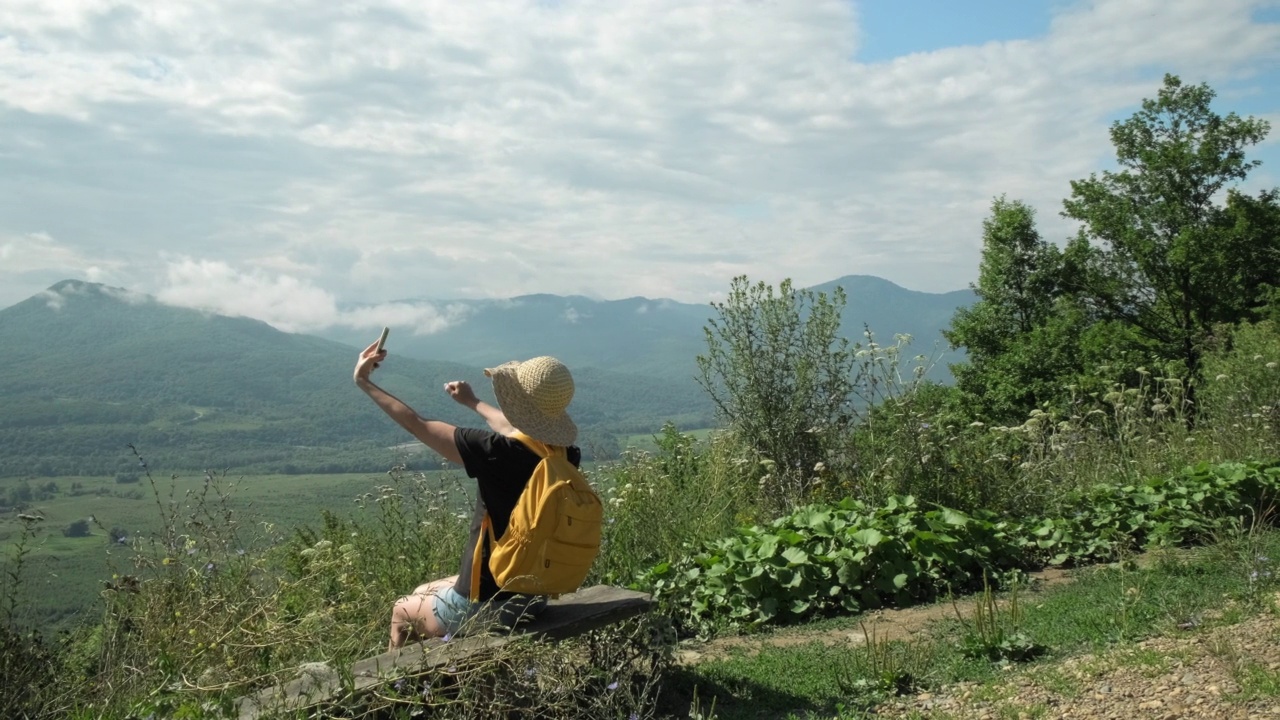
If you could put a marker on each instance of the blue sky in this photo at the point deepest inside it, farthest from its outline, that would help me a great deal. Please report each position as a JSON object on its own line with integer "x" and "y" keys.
{"x": 891, "y": 29}
{"x": 291, "y": 163}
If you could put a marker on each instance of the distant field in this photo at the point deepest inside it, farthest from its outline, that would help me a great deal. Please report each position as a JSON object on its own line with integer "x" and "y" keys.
{"x": 65, "y": 573}
{"x": 647, "y": 441}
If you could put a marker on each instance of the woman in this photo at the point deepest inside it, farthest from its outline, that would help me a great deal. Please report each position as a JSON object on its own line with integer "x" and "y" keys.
{"x": 532, "y": 398}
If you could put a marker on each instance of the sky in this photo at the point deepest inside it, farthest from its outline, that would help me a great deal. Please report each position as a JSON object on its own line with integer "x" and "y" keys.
{"x": 312, "y": 162}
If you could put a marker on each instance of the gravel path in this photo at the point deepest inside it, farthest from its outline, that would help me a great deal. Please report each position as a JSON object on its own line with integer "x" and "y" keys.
{"x": 1227, "y": 673}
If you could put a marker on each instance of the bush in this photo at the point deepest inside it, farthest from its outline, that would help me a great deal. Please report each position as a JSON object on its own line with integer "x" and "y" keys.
{"x": 849, "y": 556}
{"x": 841, "y": 558}
{"x": 79, "y": 528}
{"x": 124, "y": 478}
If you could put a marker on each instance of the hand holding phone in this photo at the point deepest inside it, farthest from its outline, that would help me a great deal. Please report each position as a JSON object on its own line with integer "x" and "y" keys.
{"x": 382, "y": 340}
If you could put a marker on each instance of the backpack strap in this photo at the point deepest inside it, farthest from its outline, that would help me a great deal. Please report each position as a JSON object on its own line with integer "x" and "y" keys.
{"x": 538, "y": 447}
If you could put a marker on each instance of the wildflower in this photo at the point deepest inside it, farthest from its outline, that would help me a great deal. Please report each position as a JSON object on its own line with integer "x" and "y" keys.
{"x": 1271, "y": 365}
{"x": 447, "y": 637}
{"x": 398, "y": 685}
{"x": 1220, "y": 378}
{"x": 612, "y": 686}
{"x": 1263, "y": 558}
{"x": 240, "y": 552}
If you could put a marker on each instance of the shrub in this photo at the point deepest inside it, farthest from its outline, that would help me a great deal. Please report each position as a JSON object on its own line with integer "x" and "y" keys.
{"x": 78, "y": 528}
{"x": 848, "y": 556}
{"x": 840, "y": 558}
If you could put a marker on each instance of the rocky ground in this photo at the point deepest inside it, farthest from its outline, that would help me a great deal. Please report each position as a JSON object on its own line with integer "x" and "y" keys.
{"x": 1210, "y": 669}
{"x": 1225, "y": 673}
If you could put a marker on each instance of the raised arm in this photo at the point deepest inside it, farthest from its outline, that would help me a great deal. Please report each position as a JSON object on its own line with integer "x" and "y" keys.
{"x": 461, "y": 391}
{"x": 434, "y": 434}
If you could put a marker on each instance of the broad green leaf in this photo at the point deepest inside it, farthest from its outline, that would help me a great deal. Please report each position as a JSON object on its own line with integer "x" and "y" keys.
{"x": 868, "y": 536}
{"x": 795, "y": 556}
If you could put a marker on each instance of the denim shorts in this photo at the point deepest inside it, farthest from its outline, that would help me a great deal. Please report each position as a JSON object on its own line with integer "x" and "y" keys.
{"x": 457, "y": 615}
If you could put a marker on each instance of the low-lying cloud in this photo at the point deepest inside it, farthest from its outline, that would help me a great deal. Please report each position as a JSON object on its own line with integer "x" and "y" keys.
{"x": 289, "y": 303}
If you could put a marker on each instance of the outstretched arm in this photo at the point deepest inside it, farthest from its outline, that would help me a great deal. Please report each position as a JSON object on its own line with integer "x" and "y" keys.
{"x": 434, "y": 434}
{"x": 461, "y": 391}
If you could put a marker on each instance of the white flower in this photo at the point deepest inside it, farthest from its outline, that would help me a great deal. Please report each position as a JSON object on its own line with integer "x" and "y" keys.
{"x": 1220, "y": 378}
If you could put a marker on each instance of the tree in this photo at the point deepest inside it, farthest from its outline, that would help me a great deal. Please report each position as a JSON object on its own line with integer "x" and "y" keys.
{"x": 1170, "y": 260}
{"x": 781, "y": 376}
{"x": 1022, "y": 336}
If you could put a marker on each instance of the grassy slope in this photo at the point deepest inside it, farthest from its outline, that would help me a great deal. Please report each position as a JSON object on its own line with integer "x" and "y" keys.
{"x": 1106, "y": 606}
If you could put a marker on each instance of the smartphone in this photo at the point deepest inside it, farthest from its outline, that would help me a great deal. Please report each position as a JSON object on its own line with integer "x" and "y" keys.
{"x": 382, "y": 340}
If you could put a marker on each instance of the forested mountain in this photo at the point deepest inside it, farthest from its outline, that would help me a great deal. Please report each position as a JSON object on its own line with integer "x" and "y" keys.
{"x": 659, "y": 338}
{"x": 86, "y": 370}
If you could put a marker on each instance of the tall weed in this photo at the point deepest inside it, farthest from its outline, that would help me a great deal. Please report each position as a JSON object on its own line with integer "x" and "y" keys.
{"x": 203, "y": 615}
{"x": 660, "y": 504}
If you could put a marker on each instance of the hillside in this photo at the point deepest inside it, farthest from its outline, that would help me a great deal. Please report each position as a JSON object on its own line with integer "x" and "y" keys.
{"x": 659, "y": 338}
{"x": 86, "y": 370}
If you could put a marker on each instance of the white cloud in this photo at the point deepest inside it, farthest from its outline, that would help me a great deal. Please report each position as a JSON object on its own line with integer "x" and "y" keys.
{"x": 39, "y": 251}
{"x": 289, "y": 303}
{"x": 394, "y": 149}
{"x": 573, "y": 316}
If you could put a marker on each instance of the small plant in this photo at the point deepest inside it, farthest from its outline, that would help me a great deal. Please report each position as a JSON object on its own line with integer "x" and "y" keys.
{"x": 696, "y": 712}
{"x": 995, "y": 634}
{"x": 883, "y": 668}
{"x": 28, "y": 664}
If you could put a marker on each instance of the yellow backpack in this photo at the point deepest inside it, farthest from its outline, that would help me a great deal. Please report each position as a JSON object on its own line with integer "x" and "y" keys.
{"x": 553, "y": 535}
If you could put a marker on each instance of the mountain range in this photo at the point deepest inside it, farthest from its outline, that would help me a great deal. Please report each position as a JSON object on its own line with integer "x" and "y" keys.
{"x": 87, "y": 370}
{"x": 659, "y": 338}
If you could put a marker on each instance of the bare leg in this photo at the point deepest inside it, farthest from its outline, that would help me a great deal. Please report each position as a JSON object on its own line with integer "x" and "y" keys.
{"x": 413, "y": 617}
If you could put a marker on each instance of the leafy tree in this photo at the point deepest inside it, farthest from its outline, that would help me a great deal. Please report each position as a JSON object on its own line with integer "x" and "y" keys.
{"x": 1170, "y": 260}
{"x": 781, "y": 376}
{"x": 1022, "y": 336}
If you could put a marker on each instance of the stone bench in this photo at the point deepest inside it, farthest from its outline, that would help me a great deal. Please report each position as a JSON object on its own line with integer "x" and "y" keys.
{"x": 565, "y": 617}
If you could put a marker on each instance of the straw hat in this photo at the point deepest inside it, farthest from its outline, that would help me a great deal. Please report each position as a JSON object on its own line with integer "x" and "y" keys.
{"x": 533, "y": 395}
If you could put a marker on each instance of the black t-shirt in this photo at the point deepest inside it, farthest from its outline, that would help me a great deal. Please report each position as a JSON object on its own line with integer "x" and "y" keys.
{"x": 501, "y": 466}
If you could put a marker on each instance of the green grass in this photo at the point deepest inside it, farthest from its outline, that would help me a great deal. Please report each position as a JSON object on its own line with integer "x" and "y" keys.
{"x": 1104, "y": 606}
{"x": 648, "y": 441}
